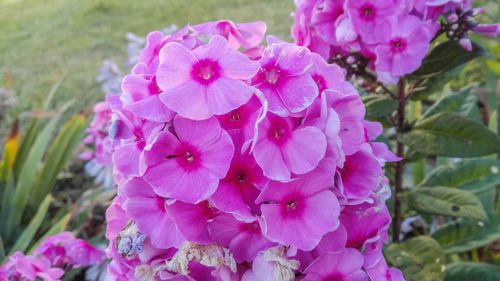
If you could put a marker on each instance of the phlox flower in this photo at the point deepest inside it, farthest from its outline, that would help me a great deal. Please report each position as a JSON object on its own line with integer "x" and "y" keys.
{"x": 245, "y": 240}
{"x": 148, "y": 210}
{"x": 188, "y": 166}
{"x": 81, "y": 253}
{"x": 365, "y": 224}
{"x": 377, "y": 269}
{"x": 367, "y": 15}
{"x": 205, "y": 81}
{"x": 21, "y": 267}
{"x": 324, "y": 17}
{"x": 246, "y": 35}
{"x": 361, "y": 174}
{"x": 242, "y": 119}
{"x": 283, "y": 78}
{"x": 300, "y": 212}
{"x": 237, "y": 191}
{"x": 282, "y": 148}
{"x": 345, "y": 265}
{"x": 192, "y": 220}
{"x": 326, "y": 76}
{"x": 53, "y": 249}
{"x": 403, "y": 50}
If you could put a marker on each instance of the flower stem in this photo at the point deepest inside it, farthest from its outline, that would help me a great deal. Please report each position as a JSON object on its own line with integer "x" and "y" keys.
{"x": 398, "y": 188}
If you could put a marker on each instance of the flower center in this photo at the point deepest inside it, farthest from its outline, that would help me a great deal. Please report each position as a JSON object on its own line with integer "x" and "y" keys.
{"x": 241, "y": 178}
{"x": 189, "y": 157}
{"x": 205, "y": 70}
{"x": 272, "y": 75}
{"x": 367, "y": 12}
{"x": 235, "y": 116}
{"x": 398, "y": 45}
{"x": 291, "y": 205}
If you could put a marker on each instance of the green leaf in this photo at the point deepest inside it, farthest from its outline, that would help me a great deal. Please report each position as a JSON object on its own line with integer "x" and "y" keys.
{"x": 2, "y": 249}
{"x": 465, "y": 235}
{"x": 378, "y": 106}
{"x": 451, "y": 134}
{"x": 435, "y": 84}
{"x": 26, "y": 237}
{"x": 472, "y": 271}
{"x": 462, "y": 173}
{"x": 494, "y": 66}
{"x": 445, "y": 201}
{"x": 28, "y": 173}
{"x": 57, "y": 156}
{"x": 58, "y": 227}
{"x": 6, "y": 210}
{"x": 26, "y": 144}
{"x": 446, "y": 57}
{"x": 420, "y": 258}
{"x": 463, "y": 102}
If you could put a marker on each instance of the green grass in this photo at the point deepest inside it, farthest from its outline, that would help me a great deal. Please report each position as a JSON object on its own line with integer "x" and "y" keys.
{"x": 43, "y": 39}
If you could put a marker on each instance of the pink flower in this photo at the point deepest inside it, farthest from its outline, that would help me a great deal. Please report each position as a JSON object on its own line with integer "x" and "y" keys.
{"x": 242, "y": 118}
{"x": 247, "y": 35}
{"x": 326, "y": 76}
{"x": 148, "y": 210}
{"x": 300, "y": 212}
{"x": 403, "y": 50}
{"x": 192, "y": 220}
{"x": 20, "y": 267}
{"x": 342, "y": 266}
{"x": 244, "y": 240}
{"x": 237, "y": 192}
{"x": 361, "y": 174}
{"x": 283, "y": 78}
{"x": 81, "y": 253}
{"x": 324, "y": 18}
{"x": 365, "y": 224}
{"x": 367, "y": 15}
{"x": 194, "y": 161}
{"x": 282, "y": 148}
{"x": 53, "y": 249}
{"x": 205, "y": 81}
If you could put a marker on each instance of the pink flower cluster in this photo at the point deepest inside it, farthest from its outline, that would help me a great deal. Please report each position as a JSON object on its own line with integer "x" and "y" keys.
{"x": 99, "y": 159}
{"x": 236, "y": 161}
{"x": 51, "y": 259}
{"x": 390, "y": 37}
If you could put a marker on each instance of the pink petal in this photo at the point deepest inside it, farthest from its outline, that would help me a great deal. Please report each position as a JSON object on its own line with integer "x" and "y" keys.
{"x": 197, "y": 133}
{"x": 191, "y": 220}
{"x": 151, "y": 108}
{"x": 298, "y": 92}
{"x": 217, "y": 156}
{"x": 228, "y": 198}
{"x": 269, "y": 157}
{"x": 176, "y": 62}
{"x": 188, "y": 99}
{"x": 215, "y": 49}
{"x": 235, "y": 65}
{"x": 224, "y": 95}
{"x": 304, "y": 150}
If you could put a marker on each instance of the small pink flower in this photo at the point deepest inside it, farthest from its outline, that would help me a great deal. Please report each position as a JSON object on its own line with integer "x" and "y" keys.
{"x": 194, "y": 160}
{"x": 247, "y": 35}
{"x": 244, "y": 240}
{"x": 148, "y": 210}
{"x": 81, "y": 253}
{"x": 205, "y": 81}
{"x": 21, "y": 267}
{"x": 342, "y": 266}
{"x": 361, "y": 174}
{"x": 237, "y": 192}
{"x": 367, "y": 15}
{"x": 403, "y": 50}
{"x": 192, "y": 220}
{"x": 283, "y": 148}
{"x": 283, "y": 78}
{"x": 300, "y": 212}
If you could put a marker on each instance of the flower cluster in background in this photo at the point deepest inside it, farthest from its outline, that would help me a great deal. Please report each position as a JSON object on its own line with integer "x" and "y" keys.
{"x": 56, "y": 255}
{"x": 236, "y": 161}
{"x": 390, "y": 37}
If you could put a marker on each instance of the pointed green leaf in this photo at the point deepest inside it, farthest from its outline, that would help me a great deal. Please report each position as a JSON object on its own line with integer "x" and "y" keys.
{"x": 26, "y": 237}
{"x": 465, "y": 235}
{"x": 420, "y": 258}
{"x": 58, "y": 227}
{"x": 451, "y": 134}
{"x": 378, "y": 106}
{"x": 58, "y": 154}
{"x": 435, "y": 84}
{"x": 463, "y": 102}
{"x": 446, "y": 57}
{"x": 28, "y": 173}
{"x": 472, "y": 271}
{"x": 445, "y": 201}
{"x": 26, "y": 144}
